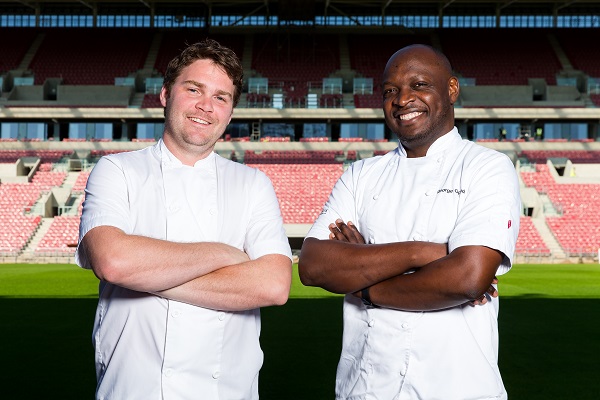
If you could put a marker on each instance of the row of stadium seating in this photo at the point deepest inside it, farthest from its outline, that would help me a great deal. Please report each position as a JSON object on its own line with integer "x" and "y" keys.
{"x": 86, "y": 56}
{"x": 296, "y": 156}
{"x": 576, "y": 156}
{"x": 16, "y": 228}
{"x": 293, "y": 157}
{"x": 302, "y": 181}
{"x": 577, "y": 229}
{"x": 61, "y": 237}
{"x": 530, "y": 241}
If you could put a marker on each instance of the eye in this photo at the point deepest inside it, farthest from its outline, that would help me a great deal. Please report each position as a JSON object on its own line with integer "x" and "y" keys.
{"x": 193, "y": 90}
{"x": 420, "y": 84}
{"x": 221, "y": 99}
{"x": 389, "y": 91}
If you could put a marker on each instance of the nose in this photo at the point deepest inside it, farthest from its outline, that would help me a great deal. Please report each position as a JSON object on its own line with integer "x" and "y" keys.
{"x": 403, "y": 97}
{"x": 204, "y": 103}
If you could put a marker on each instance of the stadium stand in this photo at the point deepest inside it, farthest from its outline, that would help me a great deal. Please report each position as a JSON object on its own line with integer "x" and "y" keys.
{"x": 302, "y": 189}
{"x": 576, "y": 226}
{"x": 17, "y": 228}
{"x": 46, "y": 179}
{"x": 578, "y": 229}
{"x": 293, "y": 157}
{"x": 45, "y": 156}
{"x": 576, "y": 46}
{"x": 530, "y": 242}
{"x": 151, "y": 100}
{"x": 80, "y": 182}
{"x": 61, "y": 237}
{"x": 295, "y": 58}
{"x": 368, "y": 100}
{"x": 595, "y": 98}
{"x": 576, "y": 156}
{"x": 90, "y": 56}
{"x": 13, "y": 53}
{"x": 516, "y": 56}
{"x": 522, "y": 79}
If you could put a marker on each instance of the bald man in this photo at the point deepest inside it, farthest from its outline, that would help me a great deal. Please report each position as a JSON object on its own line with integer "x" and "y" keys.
{"x": 415, "y": 239}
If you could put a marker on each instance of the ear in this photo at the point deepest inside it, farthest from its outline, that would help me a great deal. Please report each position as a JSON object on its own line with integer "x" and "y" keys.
{"x": 164, "y": 95}
{"x": 453, "y": 89}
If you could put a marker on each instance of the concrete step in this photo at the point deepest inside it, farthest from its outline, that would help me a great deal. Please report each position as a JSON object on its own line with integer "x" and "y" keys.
{"x": 548, "y": 238}
{"x": 28, "y": 252}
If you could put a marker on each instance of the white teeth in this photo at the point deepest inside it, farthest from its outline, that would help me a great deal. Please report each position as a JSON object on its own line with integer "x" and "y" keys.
{"x": 198, "y": 120}
{"x": 412, "y": 115}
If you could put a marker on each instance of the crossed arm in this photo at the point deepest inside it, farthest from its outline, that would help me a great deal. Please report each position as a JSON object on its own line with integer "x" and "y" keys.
{"x": 345, "y": 264}
{"x": 210, "y": 275}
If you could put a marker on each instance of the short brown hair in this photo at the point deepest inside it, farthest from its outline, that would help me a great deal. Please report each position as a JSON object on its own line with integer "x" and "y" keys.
{"x": 212, "y": 50}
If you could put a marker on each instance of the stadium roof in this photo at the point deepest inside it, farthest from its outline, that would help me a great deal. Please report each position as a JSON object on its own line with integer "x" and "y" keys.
{"x": 305, "y": 9}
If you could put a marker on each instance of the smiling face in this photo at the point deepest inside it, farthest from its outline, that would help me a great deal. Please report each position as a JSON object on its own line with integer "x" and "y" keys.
{"x": 198, "y": 108}
{"x": 418, "y": 96}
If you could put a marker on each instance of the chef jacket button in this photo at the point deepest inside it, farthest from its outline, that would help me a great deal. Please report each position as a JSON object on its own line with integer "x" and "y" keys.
{"x": 428, "y": 193}
{"x": 402, "y": 372}
{"x": 417, "y": 237}
{"x": 175, "y": 313}
{"x": 221, "y": 316}
{"x": 216, "y": 374}
{"x": 212, "y": 211}
{"x": 371, "y": 323}
{"x": 168, "y": 372}
{"x": 405, "y": 325}
{"x": 375, "y": 196}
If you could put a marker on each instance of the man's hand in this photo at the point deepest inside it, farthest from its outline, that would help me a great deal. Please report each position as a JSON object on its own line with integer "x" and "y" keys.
{"x": 345, "y": 232}
{"x": 492, "y": 291}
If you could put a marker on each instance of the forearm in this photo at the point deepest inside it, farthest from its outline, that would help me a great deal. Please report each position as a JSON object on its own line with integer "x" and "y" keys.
{"x": 342, "y": 267}
{"x": 148, "y": 265}
{"x": 461, "y": 277}
{"x": 253, "y": 284}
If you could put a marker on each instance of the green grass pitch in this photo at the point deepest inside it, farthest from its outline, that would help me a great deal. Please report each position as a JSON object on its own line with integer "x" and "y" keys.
{"x": 549, "y": 335}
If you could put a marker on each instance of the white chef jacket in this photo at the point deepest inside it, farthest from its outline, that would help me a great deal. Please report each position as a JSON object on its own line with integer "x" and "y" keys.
{"x": 148, "y": 347}
{"x": 461, "y": 194}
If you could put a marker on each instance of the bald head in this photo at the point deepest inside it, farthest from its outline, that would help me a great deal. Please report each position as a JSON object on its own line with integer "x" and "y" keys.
{"x": 424, "y": 52}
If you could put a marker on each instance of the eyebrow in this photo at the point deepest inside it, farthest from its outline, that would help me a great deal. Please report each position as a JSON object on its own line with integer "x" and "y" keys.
{"x": 202, "y": 85}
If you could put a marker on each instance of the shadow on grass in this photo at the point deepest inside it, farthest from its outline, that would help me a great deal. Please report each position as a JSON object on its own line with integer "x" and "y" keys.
{"x": 47, "y": 350}
{"x": 302, "y": 342}
{"x": 548, "y": 348}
